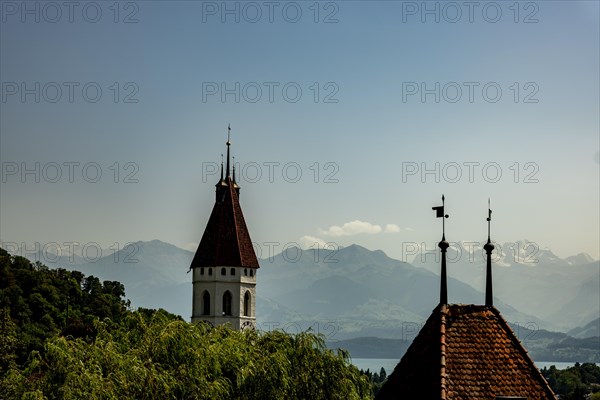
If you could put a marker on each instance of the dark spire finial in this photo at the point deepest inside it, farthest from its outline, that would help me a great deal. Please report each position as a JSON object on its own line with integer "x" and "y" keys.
{"x": 228, "y": 144}
{"x": 443, "y": 245}
{"x": 489, "y": 247}
{"x": 233, "y": 169}
{"x": 489, "y": 218}
{"x": 221, "y": 166}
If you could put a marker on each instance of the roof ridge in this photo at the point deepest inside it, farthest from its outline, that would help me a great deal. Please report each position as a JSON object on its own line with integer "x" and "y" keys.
{"x": 235, "y": 222}
{"x": 443, "y": 315}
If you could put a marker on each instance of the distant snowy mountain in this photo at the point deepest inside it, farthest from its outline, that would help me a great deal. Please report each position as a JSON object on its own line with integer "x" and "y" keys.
{"x": 580, "y": 259}
{"x": 354, "y": 292}
{"x": 565, "y": 292}
{"x": 364, "y": 292}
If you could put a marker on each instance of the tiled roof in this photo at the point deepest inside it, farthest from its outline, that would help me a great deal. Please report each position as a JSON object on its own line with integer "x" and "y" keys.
{"x": 226, "y": 241}
{"x": 466, "y": 352}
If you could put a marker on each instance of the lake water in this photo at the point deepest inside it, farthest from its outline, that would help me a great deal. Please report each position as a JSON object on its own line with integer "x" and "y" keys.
{"x": 375, "y": 364}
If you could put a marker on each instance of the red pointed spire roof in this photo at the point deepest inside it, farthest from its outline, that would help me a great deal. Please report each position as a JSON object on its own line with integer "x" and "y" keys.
{"x": 466, "y": 352}
{"x": 226, "y": 240}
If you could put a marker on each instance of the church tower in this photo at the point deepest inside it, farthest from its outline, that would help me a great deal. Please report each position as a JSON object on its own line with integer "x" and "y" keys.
{"x": 225, "y": 265}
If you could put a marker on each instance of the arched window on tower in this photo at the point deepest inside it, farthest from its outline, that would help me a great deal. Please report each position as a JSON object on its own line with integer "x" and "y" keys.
{"x": 210, "y": 271}
{"x": 223, "y": 271}
{"x": 232, "y": 272}
{"x": 251, "y": 272}
{"x": 245, "y": 271}
{"x": 247, "y": 304}
{"x": 202, "y": 271}
{"x": 227, "y": 303}
{"x": 205, "y": 303}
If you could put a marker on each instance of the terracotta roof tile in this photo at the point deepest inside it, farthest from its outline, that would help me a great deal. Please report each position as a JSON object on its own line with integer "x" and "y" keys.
{"x": 466, "y": 352}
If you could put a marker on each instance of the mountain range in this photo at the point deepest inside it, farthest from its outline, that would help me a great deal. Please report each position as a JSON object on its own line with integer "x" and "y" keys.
{"x": 355, "y": 292}
{"x": 562, "y": 292}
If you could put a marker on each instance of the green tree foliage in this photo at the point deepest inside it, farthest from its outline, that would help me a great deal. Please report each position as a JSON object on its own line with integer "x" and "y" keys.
{"x": 160, "y": 357}
{"x": 44, "y": 302}
{"x": 108, "y": 352}
{"x": 8, "y": 342}
{"x": 376, "y": 379}
{"x": 574, "y": 383}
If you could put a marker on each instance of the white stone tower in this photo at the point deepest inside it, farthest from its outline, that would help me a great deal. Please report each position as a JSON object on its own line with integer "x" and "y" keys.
{"x": 225, "y": 265}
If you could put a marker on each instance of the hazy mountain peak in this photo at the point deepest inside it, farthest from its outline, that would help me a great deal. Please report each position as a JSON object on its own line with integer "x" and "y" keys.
{"x": 358, "y": 249}
{"x": 355, "y": 247}
{"x": 156, "y": 246}
{"x": 580, "y": 259}
{"x": 592, "y": 329}
{"x": 153, "y": 243}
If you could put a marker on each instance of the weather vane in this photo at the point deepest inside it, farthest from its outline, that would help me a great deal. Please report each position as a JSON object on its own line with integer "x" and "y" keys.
{"x": 489, "y": 218}
{"x": 439, "y": 213}
{"x": 489, "y": 247}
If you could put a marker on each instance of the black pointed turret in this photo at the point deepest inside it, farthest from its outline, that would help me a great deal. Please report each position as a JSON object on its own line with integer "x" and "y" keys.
{"x": 443, "y": 245}
{"x": 235, "y": 185}
{"x": 489, "y": 247}
{"x": 221, "y": 166}
{"x": 228, "y": 144}
{"x": 221, "y": 186}
{"x": 233, "y": 170}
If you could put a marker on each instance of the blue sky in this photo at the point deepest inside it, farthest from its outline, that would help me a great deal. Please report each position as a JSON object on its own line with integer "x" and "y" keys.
{"x": 360, "y": 121}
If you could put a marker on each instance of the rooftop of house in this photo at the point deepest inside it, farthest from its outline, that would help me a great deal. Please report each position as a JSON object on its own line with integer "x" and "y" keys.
{"x": 466, "y": 352}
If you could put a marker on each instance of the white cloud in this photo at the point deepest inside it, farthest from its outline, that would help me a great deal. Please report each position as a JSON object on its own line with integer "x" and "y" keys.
{"x": 311, "y": 242}
{"x": 351, "y": 228}
{"x": 391, "y": 228}
{"x": 357, "y": 227}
